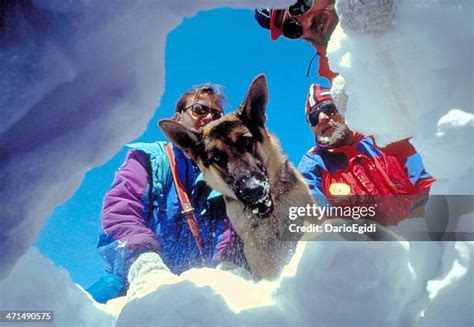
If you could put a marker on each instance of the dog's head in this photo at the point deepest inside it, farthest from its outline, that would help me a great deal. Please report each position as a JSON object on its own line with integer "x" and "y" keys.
{"x": 230, "y": 151}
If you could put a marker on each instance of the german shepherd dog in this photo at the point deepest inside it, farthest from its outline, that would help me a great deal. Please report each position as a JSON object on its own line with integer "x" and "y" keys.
{"x": 241, "y": 159}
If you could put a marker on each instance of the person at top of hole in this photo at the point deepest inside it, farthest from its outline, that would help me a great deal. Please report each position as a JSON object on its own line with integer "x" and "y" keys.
{"x": 310, "y": 20}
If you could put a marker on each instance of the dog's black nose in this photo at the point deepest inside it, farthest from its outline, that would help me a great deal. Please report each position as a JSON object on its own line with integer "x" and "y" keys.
{"x": 253, "y": 189}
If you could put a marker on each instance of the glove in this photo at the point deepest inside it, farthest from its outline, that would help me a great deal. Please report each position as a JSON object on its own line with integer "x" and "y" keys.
{"x": 146, "y": 274}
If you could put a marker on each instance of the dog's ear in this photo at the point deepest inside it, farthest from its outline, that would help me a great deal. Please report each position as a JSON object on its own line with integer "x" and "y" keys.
{"x": 253, "y": 108}
{"x": 185, "y": 138}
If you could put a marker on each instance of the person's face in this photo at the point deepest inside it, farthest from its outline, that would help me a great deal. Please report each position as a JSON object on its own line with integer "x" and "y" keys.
{"x": 318, "y": 22}
{"x": 331, "y": 130}
{"x": 188, "y": 119}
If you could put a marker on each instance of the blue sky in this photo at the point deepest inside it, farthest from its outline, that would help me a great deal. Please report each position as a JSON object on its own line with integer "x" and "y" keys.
{"x": 222, "y": 46}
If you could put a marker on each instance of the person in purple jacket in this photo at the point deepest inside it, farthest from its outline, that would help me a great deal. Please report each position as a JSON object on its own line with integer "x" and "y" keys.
{"x": 144, "y": 234}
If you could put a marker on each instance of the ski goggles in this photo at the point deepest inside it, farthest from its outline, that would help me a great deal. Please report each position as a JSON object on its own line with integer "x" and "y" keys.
{"x": 329, "y": 108}
{"x": 291, "y": 27}
{"x": 198, "y": 110}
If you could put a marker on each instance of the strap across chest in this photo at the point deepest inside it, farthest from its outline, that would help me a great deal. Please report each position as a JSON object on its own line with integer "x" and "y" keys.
{"x": 188, "y": 209}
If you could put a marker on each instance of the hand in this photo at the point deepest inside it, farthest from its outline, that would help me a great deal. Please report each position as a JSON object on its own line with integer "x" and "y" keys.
{"x": 147, "y": 274}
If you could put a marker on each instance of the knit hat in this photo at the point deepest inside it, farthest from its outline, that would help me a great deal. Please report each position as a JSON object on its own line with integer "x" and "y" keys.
{"x": 317, "y": 95}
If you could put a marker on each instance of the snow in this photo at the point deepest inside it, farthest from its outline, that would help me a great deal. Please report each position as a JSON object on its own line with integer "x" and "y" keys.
{"x": 453, "y": 302}
{"x": 35, "y": 283}
{"x": 65, "y": 90}
{"x": 454, "y": 139}
{"x": 326, "y": 283}
{"x": 409, "y": 75}
{"x": 455, "y": 123}
{"x": 368, "y": 17}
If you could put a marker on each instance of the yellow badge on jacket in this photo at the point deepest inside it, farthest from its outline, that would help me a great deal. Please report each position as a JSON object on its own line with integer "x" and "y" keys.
{"x": 339, "y": 189}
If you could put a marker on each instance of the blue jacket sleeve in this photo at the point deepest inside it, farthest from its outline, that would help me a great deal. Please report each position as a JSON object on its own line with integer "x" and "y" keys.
{"x": 411, "y": 160}
{"x": 310, "y": 167}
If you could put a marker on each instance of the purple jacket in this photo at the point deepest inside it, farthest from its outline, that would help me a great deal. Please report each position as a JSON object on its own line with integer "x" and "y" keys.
{"x": 141, "y": 212}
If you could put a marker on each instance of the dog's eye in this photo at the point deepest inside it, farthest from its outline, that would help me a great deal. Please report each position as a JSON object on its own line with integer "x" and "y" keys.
{"x": 245, "y": 144}
{"x": 216, "y": 158}
{"x": 219, "y": 158}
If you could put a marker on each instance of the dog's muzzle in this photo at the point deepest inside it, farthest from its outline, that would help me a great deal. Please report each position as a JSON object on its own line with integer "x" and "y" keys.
{"x": 254, "y": 192}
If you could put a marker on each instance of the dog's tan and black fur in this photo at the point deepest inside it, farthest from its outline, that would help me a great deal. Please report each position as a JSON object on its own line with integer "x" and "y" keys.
{"x": 241, "y": 159}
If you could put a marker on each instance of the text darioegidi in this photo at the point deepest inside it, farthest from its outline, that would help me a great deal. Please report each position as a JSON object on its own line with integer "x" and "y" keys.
{"x": 329, "y": 228}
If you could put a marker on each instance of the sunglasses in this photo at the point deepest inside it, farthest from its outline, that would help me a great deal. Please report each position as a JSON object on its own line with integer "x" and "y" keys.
{"x": 199, "y": 110}
{"x": 313, "y": 117}
{"x": 292, "y": 28}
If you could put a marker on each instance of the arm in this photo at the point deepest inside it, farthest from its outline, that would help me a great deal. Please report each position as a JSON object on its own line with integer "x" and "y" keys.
{"x": 125, "y": 234}
{"x": 411, "y": 161}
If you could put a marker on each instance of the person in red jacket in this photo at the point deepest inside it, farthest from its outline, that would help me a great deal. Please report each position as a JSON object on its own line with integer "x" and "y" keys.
{"x": 311, "y": 20}
{"x": 346, "y": 168}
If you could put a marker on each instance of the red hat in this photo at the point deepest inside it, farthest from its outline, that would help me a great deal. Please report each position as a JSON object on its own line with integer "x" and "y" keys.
{"x": 317, "y": 95}
{"x": 266, "y": 18}
{"x": 275, "y": 31}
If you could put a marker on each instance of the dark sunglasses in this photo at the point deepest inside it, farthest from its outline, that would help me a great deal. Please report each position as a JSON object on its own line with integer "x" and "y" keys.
{"x": 313, "y": 116}
{"x": 199, "y": 110}
{"x": 292, "y": 28}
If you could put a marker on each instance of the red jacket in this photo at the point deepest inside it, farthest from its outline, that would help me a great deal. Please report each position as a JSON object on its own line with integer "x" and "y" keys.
{"x": 391, "y": 178}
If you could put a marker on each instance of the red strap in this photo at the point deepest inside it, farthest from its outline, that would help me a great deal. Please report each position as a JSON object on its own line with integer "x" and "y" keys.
{"x": 184, "y": 199}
